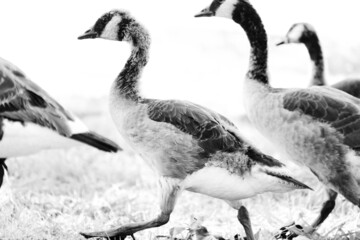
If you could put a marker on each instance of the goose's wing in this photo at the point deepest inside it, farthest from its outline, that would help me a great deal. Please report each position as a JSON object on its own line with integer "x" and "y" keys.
{"x": 350, "y": 86}
{"x": 338, "y": 109}
{"x": 213, "y": 131}
{"x": 24, "y": 101}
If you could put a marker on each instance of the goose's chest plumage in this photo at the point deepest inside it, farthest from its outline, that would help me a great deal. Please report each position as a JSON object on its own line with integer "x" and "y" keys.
{"x": 167, "y": 150}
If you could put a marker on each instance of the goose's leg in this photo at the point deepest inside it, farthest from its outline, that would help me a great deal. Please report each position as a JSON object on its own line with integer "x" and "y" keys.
{"x": 326, "y": 209}
{"x": 289, "y": 232}
{"x": 170, "y": 190}
{"x": 346, "y": 185}
{"x": 3, "y": 169}
{"x": 6, "y": 194}
{"x": 244, "y": 218}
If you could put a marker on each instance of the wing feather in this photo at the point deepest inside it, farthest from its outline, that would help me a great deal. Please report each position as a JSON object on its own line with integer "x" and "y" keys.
{"x": 213, "y": 131}
{"x": 338, "y": 109}
{"x": 22, "y": 100}
{"x": 203, "y": 125}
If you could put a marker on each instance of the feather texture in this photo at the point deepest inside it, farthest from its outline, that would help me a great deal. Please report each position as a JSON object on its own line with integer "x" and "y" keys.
{"x": 342, "y": 115}
{"x": 22, "y": 100}
{"x": 212, "y": 131}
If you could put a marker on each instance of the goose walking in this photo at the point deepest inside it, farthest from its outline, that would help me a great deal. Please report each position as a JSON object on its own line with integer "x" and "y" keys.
{"x": 189, "y": 146}
{"x": 317, "y": 127}
{"x": 31, "y": 121}
{"x": 306, "y": 34}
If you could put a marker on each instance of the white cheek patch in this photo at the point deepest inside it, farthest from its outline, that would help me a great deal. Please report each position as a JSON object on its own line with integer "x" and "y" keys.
{"x": 226, "y": 9}
{"x": 111, "y": 29}
{"x": 295, "y": 33}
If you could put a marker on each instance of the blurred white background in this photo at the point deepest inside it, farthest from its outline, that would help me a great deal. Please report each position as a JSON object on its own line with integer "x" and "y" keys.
{"x": 202, "y": 60}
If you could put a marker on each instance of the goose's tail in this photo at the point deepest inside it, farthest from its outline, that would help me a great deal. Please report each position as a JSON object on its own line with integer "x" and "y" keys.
{"x": 277, "y": 179}
{"x": 286, "y": 181}
{"x": 95, "y": 140}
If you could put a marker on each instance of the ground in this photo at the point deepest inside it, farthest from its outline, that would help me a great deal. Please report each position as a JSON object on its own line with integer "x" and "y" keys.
{"x": 58, "y": 193}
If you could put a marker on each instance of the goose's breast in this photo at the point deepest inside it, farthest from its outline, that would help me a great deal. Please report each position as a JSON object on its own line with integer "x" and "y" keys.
{"x": 164, "y": 147}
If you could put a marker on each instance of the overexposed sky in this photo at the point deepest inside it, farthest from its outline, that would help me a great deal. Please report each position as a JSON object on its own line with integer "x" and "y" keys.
{"x": 196, "y": 59}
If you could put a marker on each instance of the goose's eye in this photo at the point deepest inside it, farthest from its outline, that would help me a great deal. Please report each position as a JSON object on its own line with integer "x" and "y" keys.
{"x": 220, "y": 1}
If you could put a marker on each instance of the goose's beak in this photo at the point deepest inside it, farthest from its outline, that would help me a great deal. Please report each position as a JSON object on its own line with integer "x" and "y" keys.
{"x": 281, "y": 42}
{"x": 89, "y": 34}
{"x": 206, "y": 12}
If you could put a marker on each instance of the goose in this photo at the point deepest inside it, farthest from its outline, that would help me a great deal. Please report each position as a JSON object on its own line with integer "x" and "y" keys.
{"x": 317, "y": 127}
{"x": 305, "y": 33}
{"x": 31, "y": 120}
{"x": 189, "y": 147}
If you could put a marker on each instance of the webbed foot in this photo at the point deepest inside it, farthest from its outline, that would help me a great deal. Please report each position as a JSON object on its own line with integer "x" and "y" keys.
{"x": 293, "y": 230}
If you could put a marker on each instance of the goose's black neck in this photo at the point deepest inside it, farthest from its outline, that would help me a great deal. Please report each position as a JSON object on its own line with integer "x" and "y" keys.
{"x": 250, "y": 21}
{"x": 127, "y": 81}
{"x": 314, "y": 48}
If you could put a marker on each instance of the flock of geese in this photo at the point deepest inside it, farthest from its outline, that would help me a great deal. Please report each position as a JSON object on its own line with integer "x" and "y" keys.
{"x": 194, "y": 148}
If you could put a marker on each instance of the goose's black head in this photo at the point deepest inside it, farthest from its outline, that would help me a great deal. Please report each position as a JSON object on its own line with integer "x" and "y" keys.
{"x": 299, "y": 33}
{"x": 220, "y": 8}
{"x": 114, "y": 25}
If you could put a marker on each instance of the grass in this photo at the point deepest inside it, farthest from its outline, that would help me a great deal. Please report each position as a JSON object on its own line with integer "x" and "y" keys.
{"x": 58, "y": 193}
